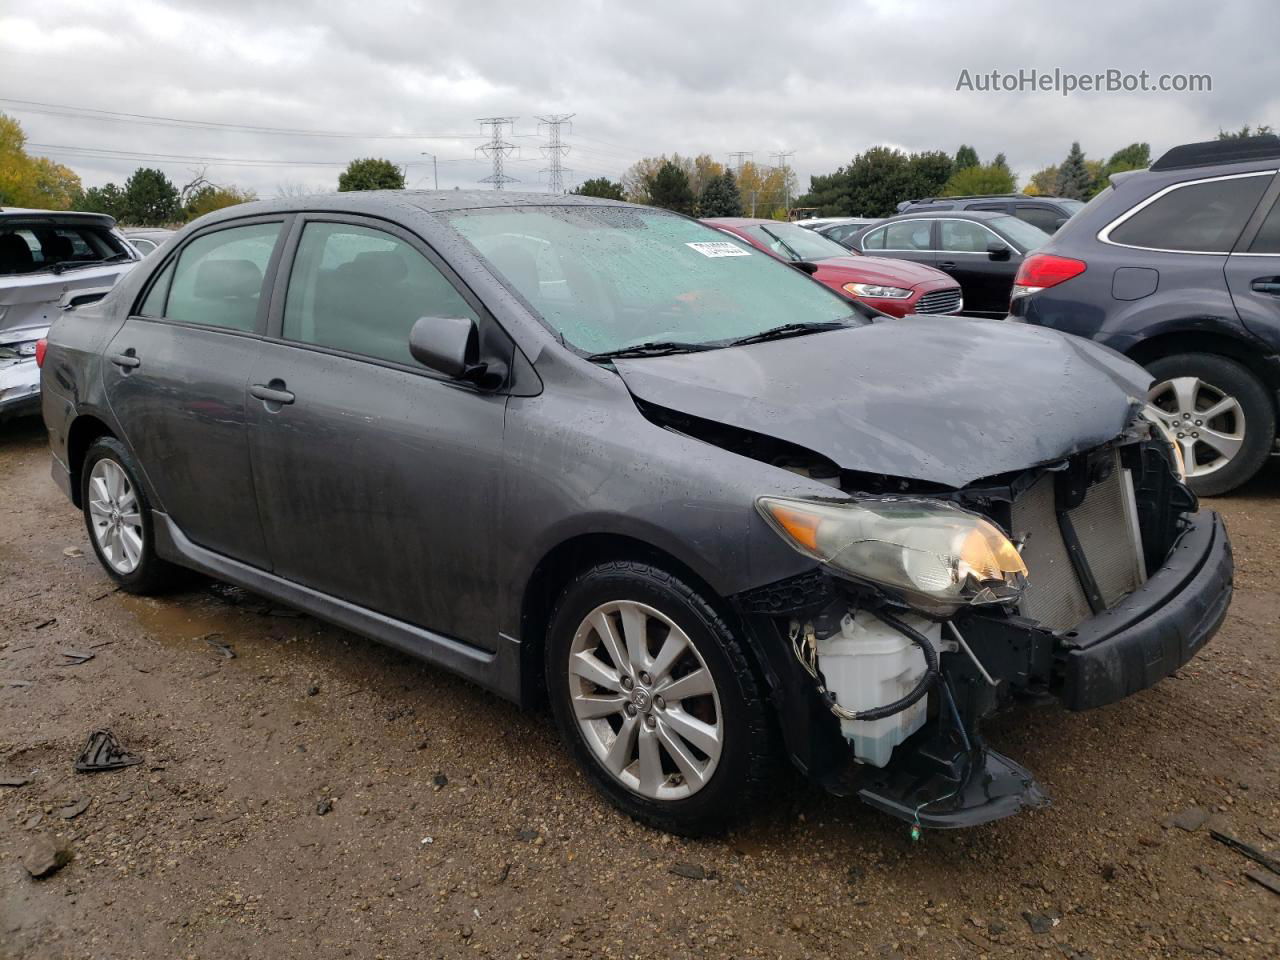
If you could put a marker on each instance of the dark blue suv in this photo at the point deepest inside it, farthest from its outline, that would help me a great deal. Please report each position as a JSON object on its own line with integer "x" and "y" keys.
{"x": 1178, "y": 267}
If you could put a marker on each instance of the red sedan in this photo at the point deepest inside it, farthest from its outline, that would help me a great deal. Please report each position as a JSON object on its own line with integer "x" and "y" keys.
{"x": 896, "y": 287}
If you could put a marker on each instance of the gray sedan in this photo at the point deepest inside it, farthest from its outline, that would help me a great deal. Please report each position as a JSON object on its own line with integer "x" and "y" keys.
{"x": 602, "y": 455}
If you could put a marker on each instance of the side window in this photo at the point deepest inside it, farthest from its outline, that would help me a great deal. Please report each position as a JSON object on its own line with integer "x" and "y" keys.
{"x": 1200, "y": 218}
{"x": 362, "y": 290}
{"x": 218, "y": 279}
{"x": 990, "y": 207}
{"x": 908, "y": 235}
{"x": 1268, "y": 238}
{"x": 1043, "y": 217}
{"x": 153, "y": 305}
{"x": 874, "y": 240}
{"x": 964, "y": 236}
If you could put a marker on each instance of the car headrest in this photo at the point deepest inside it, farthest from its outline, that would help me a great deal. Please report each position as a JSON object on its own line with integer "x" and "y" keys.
{"x": 57, "y": 247}
{"x": 380, "y": 266}
{"x": 220, "y": 279}
{"x": 15, "y": 255}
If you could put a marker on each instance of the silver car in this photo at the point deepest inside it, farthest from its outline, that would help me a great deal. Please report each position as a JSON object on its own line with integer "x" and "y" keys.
{"x": 47, "y": 256}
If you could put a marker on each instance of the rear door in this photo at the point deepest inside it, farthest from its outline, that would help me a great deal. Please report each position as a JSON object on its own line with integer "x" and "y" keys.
{"x": 1253, "y": 270}
{"x": 177, "y": 376}
{"x": 985, "y": 283}
{"x": 912, "y": 240}
{"x": 377, "y": 480}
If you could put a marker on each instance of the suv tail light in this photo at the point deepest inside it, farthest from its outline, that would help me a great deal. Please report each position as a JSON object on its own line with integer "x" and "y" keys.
{"x": 1042, "y": 270}
{"x": 41, "y": 346}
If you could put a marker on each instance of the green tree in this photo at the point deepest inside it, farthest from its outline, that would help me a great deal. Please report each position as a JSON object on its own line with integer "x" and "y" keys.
{"x": 979, "y": 180}
{"x": 1042, "y": 182}
{"x": 966, "y": 157}
{"x": 875, "y": 182}
{"x": 720, "y": 197}
{"x": 108, "y": 199}
{"x": 601, "y": 187}
{"x": 371, "y": 173}
{"x": 1000, "y": 162}
{"x": 150, "y": 199}
{"x": 669, "y": 188}
{"x": 1074, "y": 179}
{"x": 208, "y": 198}
{"x": 1135, "y": 156}
{"x": 1246, "y": 131}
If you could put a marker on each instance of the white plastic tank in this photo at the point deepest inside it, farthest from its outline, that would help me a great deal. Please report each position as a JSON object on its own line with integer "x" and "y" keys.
{"x": 869, "y": 664}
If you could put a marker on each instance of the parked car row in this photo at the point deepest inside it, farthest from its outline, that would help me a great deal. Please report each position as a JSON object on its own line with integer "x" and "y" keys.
{"x": 717, "y": 514}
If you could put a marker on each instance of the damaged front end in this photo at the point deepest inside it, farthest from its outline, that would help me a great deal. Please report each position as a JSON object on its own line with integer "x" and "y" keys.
{"x": 883, "y": 669}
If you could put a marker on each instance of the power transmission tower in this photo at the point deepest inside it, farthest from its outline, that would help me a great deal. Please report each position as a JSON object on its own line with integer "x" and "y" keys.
{"x": 497, "y": 149}
{"x": 782, "y": 156}
{"x": 555, "y": 151}
{"x": 739, "y": 157}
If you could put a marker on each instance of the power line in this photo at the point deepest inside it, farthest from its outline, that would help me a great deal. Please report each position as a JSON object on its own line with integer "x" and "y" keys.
{"x": 555, "y": 151}
{"x": 497, "y": 149}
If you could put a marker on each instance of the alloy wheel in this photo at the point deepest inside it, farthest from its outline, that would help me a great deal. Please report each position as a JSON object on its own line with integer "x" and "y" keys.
{"x": 114, "y": 516}
{"x": 645, "y": 701}
{"x": 1207, "y": 423}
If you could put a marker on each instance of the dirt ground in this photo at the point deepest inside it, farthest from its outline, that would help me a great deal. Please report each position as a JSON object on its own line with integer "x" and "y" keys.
{"x": 319, "y": 796}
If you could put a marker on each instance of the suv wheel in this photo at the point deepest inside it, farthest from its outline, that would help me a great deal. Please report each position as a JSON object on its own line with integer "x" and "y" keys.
{"x": 655, "y": 698}
{"x": 118, "y": 518}
{"x": 1220, "y": 414}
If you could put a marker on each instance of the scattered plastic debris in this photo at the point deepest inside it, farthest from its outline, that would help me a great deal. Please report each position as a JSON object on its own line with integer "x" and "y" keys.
{"x": 73, "y": 552}
{"x": 102, "y": 751}
{"x": 223, "y": 648}
{"x": 1253, "y": 853}
{"x": 1264, "y": 880}
{"x": 75, "y": 657}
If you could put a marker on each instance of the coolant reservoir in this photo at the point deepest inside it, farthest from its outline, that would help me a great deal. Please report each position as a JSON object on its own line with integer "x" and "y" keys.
{"x": 869, "y": 664}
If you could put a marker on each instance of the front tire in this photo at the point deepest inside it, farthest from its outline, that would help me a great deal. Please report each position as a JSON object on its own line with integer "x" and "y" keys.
{"x": 117, "y": 516}
{"x": 656, "y": 700}
{"x": 1220, "y": 414}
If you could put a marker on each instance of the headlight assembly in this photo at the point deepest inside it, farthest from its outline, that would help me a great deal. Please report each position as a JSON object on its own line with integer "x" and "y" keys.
{"x": 876, "y": 291}
{"x": 937, "y": 556}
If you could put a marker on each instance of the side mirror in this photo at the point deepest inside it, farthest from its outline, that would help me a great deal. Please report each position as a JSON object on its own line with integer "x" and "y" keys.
{"x": 448, "y": 345}
{"x": 804, "y": 266}
{"x": 997, "y": 250}
{"x": 1059, "y": 222}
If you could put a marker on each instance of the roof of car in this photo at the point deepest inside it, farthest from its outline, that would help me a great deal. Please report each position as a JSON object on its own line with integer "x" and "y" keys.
{"x": 417, "y": 201}
{"x": 743, "y": 221}
{"x": 29, "y": 213}
{"x": 944, "y": 214}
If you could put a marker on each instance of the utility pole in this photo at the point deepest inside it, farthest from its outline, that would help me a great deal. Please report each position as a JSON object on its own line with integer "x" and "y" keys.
{"x": 435, "y": 179}
{"x": 782, "y": 156}
{"x": 555, "y": 151}
{"x": 497, "y": 149}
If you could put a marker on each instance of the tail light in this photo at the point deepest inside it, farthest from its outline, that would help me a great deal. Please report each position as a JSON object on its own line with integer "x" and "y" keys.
{"x": 41, "y": 346}
{"x": 1041, "y": 270}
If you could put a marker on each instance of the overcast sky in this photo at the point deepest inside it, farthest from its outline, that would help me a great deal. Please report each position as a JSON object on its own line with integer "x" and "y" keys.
{"x": 825, "y": 80}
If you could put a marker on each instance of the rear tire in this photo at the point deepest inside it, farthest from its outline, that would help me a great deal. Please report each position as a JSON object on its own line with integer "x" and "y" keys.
{"x": 688, "y": 762}
{"x": 1223, "y": 450}
{"x": 117, "y": 516}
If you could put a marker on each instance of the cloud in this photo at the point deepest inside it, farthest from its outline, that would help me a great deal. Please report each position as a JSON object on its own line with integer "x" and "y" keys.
{"x": 826, "y": 80}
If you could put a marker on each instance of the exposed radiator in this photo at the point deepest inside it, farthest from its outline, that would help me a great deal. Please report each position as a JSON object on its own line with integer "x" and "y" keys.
{"x": 1106, "y": 526}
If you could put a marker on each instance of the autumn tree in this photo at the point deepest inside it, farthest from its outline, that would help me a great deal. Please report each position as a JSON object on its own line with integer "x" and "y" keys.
{"x": 371, "y": 173}
{"x": 27, "y": 181}
{"x": 720, "y": 197}
{"x": 210, "y": 197}
{"x": 699, "y": 171}
{"x": 601, "y": 187}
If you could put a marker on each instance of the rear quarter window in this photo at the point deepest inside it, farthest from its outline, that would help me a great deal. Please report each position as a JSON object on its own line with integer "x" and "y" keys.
{"x": 1204, "y": 217}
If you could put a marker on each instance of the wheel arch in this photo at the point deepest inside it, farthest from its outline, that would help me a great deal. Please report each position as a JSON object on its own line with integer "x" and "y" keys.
{"x": 84, "y": 430}
{"x": 561, "y": 564}
{"x": 1171, "y": 342}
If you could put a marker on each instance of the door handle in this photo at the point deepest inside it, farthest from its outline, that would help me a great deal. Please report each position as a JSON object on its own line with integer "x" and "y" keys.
{"x": 1269, "y": 285}
{"x": 947, "y": 265}
{"x": 128, "y": 360}
{"x": 271, "y": 394}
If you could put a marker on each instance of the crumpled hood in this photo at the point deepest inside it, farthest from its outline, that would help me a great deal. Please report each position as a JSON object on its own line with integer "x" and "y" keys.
{"x": 947, "y": 400}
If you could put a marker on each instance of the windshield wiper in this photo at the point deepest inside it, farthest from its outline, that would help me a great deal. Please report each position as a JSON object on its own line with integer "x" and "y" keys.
{"x": 788, "y": 330}
{"x": 62, "y": 266}
{"x": 654, "y": 348}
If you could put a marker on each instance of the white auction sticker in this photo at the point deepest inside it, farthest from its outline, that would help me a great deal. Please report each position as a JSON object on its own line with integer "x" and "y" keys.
{"x": 718, "y": 248}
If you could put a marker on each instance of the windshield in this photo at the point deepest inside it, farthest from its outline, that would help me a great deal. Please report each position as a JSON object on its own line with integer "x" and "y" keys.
{"x": 607, "y": 278}
{"x": 796, "y": 243}
{"x": 1023, "y": 234}
{"x": 38, "y": 247}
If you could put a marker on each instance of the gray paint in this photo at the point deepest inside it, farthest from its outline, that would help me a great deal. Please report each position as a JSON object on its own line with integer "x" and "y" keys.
{"x": 437, "y": 501}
